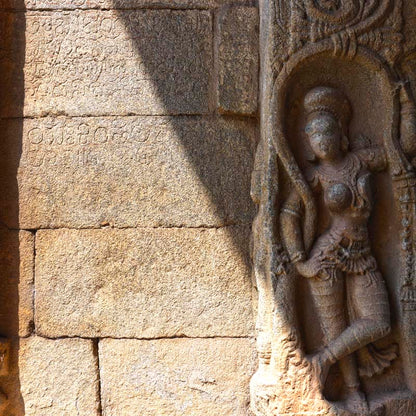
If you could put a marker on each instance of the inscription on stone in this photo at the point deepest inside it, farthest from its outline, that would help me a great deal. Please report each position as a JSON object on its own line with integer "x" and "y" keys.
{"x": 146, "y": 171}
{"x": 135, "y": 62}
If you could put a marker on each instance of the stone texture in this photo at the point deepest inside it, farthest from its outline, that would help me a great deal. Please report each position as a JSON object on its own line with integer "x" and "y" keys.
{"x": 180, "y": 377}
{"x": 58, "y": 377}
{"x": 332, "y": 277}
{"x": 82, "y": 172}
{"x": 409, "y": 11}
{"x": 143, "y": 283}
{"x": 115, "y": 4}
{"x": 117, "y": 62}
{"x": 134, "y": 171}
{"x": 12, "y": 58}
{"x": 238, "y": 60}
{"x": 102, "y": 4}
{"x": 16, "y": 285}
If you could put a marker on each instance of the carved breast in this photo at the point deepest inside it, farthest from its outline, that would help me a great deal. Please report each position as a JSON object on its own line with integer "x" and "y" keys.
{"x": 338, "y": 197}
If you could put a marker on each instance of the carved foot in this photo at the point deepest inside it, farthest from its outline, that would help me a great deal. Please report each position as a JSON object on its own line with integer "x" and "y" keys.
{"x": 320, "y": 368}
{"x": 356, "y": 403}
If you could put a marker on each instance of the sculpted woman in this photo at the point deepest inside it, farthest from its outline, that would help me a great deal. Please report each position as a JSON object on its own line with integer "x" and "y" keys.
{"x": 348, "y": 291}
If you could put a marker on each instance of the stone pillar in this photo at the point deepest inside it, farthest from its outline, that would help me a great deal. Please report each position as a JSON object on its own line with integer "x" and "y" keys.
{"x": 334, "y": 182}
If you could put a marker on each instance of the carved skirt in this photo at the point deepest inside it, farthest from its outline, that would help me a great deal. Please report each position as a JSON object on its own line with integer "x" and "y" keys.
{"x": 348, "y": 286}
{"x": 338, "y": 253}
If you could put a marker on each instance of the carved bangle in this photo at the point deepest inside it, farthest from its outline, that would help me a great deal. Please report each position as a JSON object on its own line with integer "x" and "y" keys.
{"x": 291, "y": 211}
{"x": 298, "y": 256}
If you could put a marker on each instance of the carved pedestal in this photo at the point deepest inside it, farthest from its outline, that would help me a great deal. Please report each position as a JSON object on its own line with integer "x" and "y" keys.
{"x": 334, "y": 237}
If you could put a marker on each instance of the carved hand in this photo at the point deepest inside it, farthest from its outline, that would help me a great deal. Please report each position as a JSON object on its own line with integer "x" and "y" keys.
{"x": 309, "y": 268}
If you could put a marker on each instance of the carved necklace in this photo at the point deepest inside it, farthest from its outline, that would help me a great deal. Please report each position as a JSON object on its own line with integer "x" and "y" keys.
{"x": 347, "y": 172}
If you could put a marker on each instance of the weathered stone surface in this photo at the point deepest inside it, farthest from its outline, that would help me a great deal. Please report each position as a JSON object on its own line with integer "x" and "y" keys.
{"x": 58, "y": 377}
{"x": 143, "y": 283}
{"x": 409, "y": 30}
{"x": 103, "y": 4}
{"x": 115, "y": 4}
{"x": 238, "y": 60}
{"x": 12, "y": 57}
{"x": 334, "y": 270}
{"x": 118, "y": 62}
{"x": 16, "y": 284}
{"x": 81, "y": 172}
{"x": 180, "y": 377}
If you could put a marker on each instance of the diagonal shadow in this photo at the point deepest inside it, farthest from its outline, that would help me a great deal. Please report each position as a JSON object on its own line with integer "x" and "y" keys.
{"x": 15, "y": 266}
{"x": 218, "y": 166}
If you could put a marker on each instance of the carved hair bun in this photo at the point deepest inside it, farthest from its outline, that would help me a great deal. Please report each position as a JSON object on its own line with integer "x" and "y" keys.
{"x": 330, "y": 100}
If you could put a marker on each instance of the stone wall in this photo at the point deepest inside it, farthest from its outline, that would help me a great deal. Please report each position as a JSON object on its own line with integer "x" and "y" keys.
{"x": 128, "y": 130}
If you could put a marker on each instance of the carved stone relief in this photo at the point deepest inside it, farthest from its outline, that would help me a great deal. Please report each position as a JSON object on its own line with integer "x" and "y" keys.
{"x": 334, "y": 237}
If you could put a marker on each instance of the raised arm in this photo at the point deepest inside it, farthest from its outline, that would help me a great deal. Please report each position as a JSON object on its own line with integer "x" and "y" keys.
{"x": 374, "y": 157}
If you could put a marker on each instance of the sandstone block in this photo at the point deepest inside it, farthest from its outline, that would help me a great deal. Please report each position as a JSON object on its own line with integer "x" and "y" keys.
{"x": 131, "y": 171}
{"x": 238, "y": 60}
{"x": 58, "y": 377}
{"x": 143, "y": 283}
{"x": 183, "y": 377}
{"x": 16, "y": 284}
{"x": 118, "y": 62}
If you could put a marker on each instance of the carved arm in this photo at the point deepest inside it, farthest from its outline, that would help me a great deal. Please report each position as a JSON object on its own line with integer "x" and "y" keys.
{"x": 374, "y": 157}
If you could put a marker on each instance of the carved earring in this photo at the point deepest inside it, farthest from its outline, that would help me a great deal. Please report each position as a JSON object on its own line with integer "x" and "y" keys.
{"x": 310, "y": 155}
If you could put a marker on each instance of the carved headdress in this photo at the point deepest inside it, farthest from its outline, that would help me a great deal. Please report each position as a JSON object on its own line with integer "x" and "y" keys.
{"x": 329, "y": 100}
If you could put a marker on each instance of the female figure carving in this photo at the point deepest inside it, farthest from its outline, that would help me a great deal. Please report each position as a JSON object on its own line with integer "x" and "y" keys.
{"x": 346, "y": 286}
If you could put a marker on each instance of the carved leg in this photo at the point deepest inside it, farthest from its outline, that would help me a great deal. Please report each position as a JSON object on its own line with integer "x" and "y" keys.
{"x": 330, "y": 298}
{"x": 356, "y": 400}
{"x": 370, "y": 303}
{"x": 349, "y": 369}
{"x": 329, "y": 301}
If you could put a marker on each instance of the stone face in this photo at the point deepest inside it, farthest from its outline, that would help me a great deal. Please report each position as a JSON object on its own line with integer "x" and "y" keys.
{"x": 183, "y": 377}
{"x": 132, "y": 171}
{"x": 143, "y": 283}
{"x": 58, "y": 377}
{"x": 117, "y": 62}
{"x": 238, "y": 60}
{"x": 16, "y": 285}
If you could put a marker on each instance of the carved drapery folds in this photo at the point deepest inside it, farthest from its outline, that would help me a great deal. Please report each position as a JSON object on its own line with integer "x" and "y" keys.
{"x": 334, "y": 237}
